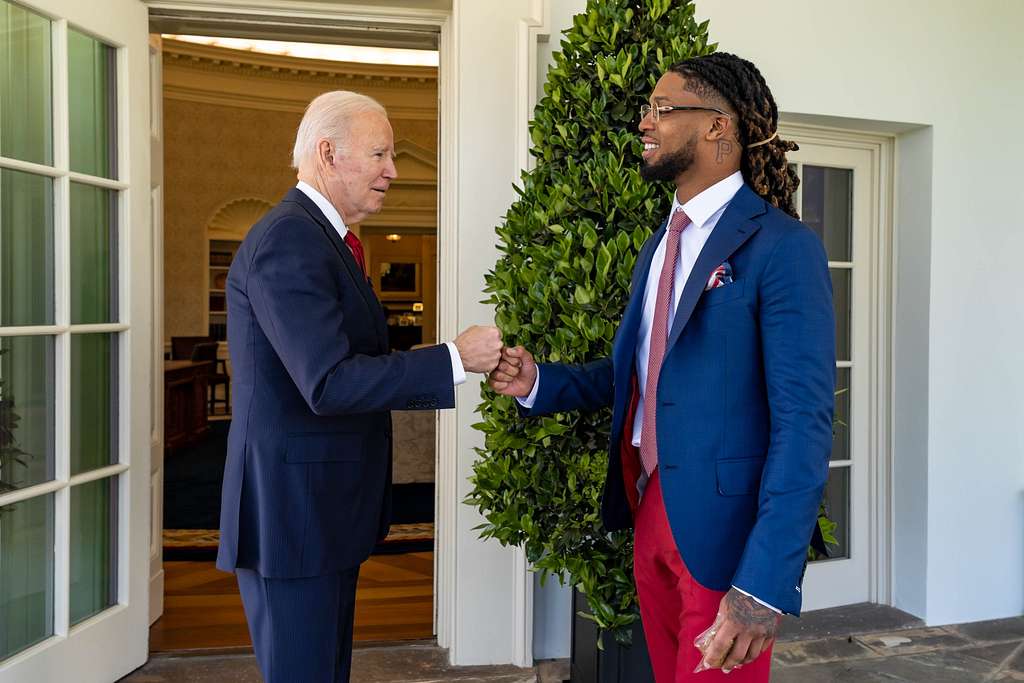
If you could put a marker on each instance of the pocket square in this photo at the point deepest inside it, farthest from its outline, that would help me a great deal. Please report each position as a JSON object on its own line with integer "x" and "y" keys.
{"x": 720, "y": 276}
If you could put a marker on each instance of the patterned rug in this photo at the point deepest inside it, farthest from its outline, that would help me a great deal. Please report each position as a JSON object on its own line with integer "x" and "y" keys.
{"x": 202, "y": 543}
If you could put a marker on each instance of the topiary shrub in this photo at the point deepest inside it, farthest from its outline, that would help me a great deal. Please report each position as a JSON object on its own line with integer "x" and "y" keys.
{"x": 569, "y": 244}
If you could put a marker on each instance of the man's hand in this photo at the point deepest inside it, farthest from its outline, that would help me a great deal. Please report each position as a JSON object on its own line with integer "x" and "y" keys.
{"x": 515, "y": 374}
{"x": 743, "y": 630}
{"x": 479, "y": 348}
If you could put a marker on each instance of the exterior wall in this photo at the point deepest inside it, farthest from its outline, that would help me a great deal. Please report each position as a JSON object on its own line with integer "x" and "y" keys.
{"x": 944, "y": 78}
{"x": 485, "y": 74}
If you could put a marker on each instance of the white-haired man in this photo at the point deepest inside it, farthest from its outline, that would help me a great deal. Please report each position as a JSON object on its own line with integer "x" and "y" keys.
{"x": 307, "y": 482}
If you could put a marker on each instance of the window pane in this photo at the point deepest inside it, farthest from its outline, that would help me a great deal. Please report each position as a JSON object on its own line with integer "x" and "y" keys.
{"x": 93, "y": 548}
{"x": 837, "y": 508}
{"x": 26, "y": 249}
{"x": 26, "y": 118}
{"x": 26, "y": 412}
{"x": 93, "y": 402}
{"x": 92, "y": 79}
{"x": 841, "y": 279}
{"x": 828, "y": 208}
{"x": 841, "y": 423}
{"x": 26, "y": 574}
{"x": 93, "y": 254}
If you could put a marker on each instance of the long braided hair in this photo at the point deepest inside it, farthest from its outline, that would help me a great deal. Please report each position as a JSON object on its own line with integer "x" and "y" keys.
{"x": 725, "y": 76}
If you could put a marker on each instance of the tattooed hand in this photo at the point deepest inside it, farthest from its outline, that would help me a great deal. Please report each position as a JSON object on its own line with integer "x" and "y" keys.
{"x": 743, "y": 630}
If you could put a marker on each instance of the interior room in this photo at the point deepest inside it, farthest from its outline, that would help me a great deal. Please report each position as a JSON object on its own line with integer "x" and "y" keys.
{"x": 230, "y": 111}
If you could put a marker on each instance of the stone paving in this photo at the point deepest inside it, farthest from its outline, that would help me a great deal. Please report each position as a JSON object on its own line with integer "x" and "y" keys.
{"x": 843, "y": 646}
{"x": 420, "y": 662}
{"x": 966, "y": 653}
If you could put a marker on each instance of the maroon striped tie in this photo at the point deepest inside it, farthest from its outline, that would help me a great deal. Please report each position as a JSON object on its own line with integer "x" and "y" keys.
{"x": 659, "y": 335}
{"x": 357, "y": 250}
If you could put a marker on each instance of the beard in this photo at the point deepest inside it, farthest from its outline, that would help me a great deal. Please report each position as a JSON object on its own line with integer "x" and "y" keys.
{"x": 672, "y": 165}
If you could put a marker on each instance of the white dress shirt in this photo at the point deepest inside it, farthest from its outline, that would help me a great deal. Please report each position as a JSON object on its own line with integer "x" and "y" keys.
{"x": 325, "y": 206}
{"x": 704, "y": 211}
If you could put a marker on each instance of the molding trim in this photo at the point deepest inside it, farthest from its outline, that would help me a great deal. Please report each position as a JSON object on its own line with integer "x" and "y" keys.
{"x": 446, "y": 503}
{"x": 287, "y": 66}
{"x": 410, "y": 148}
{"x": 234, "y": 218}
{"x": 535, "y": 23}
{"x": 336, "y": 13}
{"x": 184, "y": 58}
{"x": 880, "y": 261}
{"x": 267, "y": 102}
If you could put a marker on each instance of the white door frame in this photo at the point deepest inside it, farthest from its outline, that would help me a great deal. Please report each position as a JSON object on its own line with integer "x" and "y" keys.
{"x": 449, "y": 588}
{"x": 84, "y": 650}
{"x": 873, "y": 425}
{"x": 156, "y": 441}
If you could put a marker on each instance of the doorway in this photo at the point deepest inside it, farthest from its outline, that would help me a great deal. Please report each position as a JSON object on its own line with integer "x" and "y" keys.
{"x": 843, "y": 195}
{"x": 229, "y": 110}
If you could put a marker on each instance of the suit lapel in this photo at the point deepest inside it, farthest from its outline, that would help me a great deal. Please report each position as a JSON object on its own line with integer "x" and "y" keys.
{"x": 630, "y": 325}
{"x": 362, "y": 284}
{"x": 625, "y": 342}
{"x": 733, "y": 229}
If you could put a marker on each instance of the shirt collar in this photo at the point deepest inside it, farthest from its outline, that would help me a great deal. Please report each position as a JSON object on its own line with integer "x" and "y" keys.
{"x": 325, "y": 206}
{"x": 710, "y": 201}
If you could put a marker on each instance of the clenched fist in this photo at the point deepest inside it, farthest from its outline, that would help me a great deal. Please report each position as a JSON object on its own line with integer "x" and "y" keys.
{"x": 515, "y": 374}
{"x": 479, "y": 348}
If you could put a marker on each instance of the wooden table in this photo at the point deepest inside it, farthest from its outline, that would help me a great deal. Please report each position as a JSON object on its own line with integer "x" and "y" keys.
{"x": 185, "y": 387}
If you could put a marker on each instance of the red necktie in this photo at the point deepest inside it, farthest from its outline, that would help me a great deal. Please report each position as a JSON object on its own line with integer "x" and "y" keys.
{"x": 659, "y": 336}
{"x": 357, "y": 250}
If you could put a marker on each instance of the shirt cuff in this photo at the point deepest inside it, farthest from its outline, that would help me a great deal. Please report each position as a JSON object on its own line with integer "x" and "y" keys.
{"x": 458, "y": 371}
{"x": 532, "y": 398}
{"x": 760, "y": 602}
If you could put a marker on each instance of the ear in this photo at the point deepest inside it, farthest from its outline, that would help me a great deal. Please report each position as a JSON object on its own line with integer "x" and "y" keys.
{"x": 721, "y": 127}
{"x": 325, "y": 152}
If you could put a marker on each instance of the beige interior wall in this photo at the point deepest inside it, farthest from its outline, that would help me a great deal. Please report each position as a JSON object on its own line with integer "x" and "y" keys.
{"x": 229, "y": 124}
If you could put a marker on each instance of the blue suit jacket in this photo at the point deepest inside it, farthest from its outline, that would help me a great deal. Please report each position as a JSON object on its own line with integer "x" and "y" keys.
{"x": 307, "y": 482}
{"x": 745, "y": 402}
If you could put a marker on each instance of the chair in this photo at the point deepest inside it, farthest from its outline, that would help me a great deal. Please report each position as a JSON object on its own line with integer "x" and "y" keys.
{"x": 181, "y": 347}
{"x": 207, "y": 351}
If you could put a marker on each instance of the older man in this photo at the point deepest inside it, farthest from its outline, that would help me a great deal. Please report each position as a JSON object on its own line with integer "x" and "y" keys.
{"x": 308, "y": 477}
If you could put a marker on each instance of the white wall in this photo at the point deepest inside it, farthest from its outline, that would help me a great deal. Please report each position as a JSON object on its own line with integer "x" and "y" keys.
{"x": 488, "y": 49}
{"x": 948, "y": 75}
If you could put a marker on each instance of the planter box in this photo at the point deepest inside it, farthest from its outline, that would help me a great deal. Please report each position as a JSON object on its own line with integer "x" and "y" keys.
{"x": 613, "y": 664}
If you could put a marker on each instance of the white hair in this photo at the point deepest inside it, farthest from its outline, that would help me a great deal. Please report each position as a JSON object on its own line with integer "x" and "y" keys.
{"x": 329, "y": 116}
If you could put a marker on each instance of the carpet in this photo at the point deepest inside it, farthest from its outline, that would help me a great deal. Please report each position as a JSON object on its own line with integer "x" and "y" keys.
{"x": 192, "y": 486}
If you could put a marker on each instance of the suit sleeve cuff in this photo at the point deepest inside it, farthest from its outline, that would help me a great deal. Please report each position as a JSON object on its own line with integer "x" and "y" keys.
{"x": 760, "y": 602}
{"x": 458, "y": 371}
{"x": 532, "y": 398}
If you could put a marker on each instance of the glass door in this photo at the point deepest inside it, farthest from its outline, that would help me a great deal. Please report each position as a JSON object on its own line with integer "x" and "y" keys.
{"x": 74, "y": 339}
{"x": 837, "y": 200}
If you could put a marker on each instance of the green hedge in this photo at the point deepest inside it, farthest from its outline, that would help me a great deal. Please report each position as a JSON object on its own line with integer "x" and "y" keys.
{"x": 568, "y": 245}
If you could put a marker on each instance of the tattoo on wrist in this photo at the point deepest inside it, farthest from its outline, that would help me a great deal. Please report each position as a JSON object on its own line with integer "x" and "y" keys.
{"x": 749, "y": 613}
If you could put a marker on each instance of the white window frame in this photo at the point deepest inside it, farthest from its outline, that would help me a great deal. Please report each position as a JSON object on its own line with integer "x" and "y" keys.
{"x": 98, "y": 631}
{"x": 873, "y": 409}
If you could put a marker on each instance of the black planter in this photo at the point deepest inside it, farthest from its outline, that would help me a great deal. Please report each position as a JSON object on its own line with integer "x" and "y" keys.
{"x": 613, "y": 664}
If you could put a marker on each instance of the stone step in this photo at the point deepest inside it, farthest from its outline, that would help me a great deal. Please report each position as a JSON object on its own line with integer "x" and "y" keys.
{"x": 418, "y": 662}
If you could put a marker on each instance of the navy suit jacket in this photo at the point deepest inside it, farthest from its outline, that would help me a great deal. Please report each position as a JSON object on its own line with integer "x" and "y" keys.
{"x": 745, "y": 401}
{"x": 307, "y": 482}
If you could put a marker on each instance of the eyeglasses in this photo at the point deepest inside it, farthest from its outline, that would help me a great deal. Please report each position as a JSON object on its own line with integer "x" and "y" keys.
{"x": 646, "y": 109}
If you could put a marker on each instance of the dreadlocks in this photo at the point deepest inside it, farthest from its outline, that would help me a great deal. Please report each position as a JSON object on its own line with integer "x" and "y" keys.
{"x": 735, "y": 81}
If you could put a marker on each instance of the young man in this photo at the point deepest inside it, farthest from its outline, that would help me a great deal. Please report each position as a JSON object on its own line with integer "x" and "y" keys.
{"x": 307, "y": 483}
{"x": 721, "y": 380}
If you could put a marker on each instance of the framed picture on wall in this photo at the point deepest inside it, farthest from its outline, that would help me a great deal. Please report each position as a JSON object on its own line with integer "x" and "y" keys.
{"x": 397, "y": 280}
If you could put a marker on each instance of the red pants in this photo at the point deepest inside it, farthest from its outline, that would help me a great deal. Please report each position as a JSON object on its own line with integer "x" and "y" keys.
{"x": 674, "y": 608}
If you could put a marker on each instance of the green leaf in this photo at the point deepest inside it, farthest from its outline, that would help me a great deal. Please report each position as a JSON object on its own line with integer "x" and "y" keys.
{"x": 567, "y": 246}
